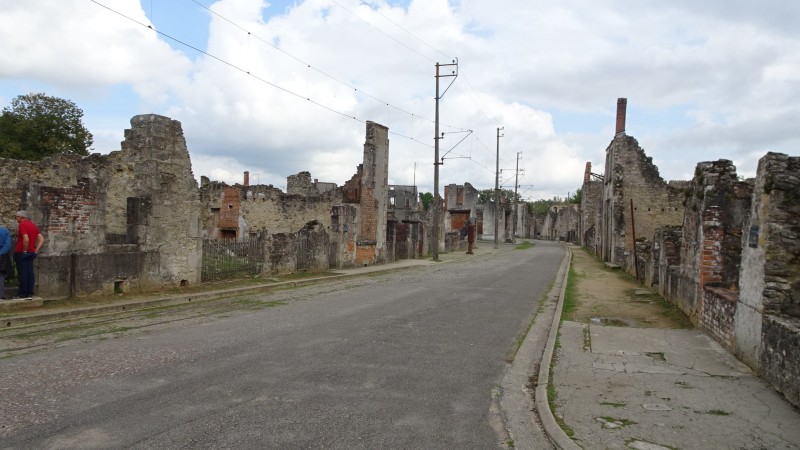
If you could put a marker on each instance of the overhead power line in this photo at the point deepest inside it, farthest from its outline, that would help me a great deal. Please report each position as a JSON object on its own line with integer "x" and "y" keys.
{"x": 247, "y": 72}
{"x": 315, "y": 69}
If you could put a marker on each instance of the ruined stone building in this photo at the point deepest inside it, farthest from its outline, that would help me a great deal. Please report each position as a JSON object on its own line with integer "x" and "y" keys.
{"x": 135, "y": 219}
{"x": 406, "y": 225}
{"x": 460, "y": 209}
{"x": 561, "y": 223}
{"x": 486, "y": 217}
{"x": 460, "y": 205}
{"x": 590, "y": 209}
{"x": 636, "y": 200}
{"x": 726, "y": 251}
{"x": 313, "y": 226}
{"x": 123, "y": 221}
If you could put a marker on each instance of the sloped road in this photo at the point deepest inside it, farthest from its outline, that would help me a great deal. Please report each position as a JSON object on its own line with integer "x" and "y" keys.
{"x": 392, "y": 360}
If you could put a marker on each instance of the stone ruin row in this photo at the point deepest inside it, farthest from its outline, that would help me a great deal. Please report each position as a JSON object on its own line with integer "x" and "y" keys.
{"x": 725, "y": 250}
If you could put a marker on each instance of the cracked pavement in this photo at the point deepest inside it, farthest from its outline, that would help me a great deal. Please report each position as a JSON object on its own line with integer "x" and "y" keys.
{"x": 664, "y": 389}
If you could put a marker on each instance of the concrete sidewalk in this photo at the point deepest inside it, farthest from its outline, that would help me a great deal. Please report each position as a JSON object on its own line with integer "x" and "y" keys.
{"x": 646, "y": 388}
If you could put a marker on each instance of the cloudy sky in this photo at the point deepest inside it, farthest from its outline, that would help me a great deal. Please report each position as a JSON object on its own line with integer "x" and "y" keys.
{"x": 275, "y": 88}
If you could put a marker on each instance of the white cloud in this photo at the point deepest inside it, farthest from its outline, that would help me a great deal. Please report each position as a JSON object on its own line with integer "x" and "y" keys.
{"x": 720, "y": 76}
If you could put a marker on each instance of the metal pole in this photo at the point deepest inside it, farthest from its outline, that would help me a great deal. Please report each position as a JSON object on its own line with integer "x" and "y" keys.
{"x": 514, "y": 215}
{"x": 435, "y": 228}
{"x": 497, "y": 190}
{"x": 633, "y": 232}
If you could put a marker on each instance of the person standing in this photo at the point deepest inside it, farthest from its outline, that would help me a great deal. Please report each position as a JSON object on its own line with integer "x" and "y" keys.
{"x": 5, "y": 259}
{"x": 29, "y": 241}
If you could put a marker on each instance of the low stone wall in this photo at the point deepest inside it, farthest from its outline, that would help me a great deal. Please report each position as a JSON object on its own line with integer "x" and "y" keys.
{"x": 780, "y": 359}
{"x": 718, "y": 313}
{"x": 97, "y": 274}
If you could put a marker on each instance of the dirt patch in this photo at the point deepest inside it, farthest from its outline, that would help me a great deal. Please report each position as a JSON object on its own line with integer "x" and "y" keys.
{"x": 611, "y": 297}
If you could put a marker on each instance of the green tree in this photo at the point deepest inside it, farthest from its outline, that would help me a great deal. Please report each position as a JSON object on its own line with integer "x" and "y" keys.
{"x": 487, "y": 195}
{"x": 576, "y": 197}
{"x": 36, "y": 126}
{"x": 426, "y": 198}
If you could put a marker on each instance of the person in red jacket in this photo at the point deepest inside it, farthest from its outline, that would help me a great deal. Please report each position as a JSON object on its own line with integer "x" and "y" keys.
{"x": 29, "y": 241}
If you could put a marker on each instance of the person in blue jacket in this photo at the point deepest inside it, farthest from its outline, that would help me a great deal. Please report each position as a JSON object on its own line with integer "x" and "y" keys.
{"x": 5, "y": 259}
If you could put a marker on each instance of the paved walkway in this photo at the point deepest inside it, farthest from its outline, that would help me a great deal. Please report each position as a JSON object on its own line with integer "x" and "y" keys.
{"x": 623, "y": 387}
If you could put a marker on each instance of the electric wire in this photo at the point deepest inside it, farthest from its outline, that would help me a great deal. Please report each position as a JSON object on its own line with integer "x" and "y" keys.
{"x": 247, "y": 72}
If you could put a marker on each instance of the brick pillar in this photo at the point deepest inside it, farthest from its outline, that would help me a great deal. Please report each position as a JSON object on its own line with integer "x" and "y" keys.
{"x": 587, "y": 174}
{"x": 246, "y": 178}
{"x": 622, "y": 105}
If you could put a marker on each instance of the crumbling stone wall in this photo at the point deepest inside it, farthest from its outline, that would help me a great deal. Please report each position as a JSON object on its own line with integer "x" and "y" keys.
{"x": 562, "y": 222}
{"x": 371, "y": 243}
{"x": 666, "y": 254}
{"x": 123, "y": 221}
{"x": 489, "y": 211}
{"x": 719, "y": 310}
{"x": 591, "y": 206}
{"x": 717, "y": 205}
{"x": 300, "y": 184}
{"x": 344, "y": 220}
{"x": 767, "y": 321}
{"x": 634, "y": 194}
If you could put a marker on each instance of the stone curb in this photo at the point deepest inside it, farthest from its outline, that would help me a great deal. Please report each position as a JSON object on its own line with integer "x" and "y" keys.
{"x": 548, "y": 421}
{"x": 43, "y": 317}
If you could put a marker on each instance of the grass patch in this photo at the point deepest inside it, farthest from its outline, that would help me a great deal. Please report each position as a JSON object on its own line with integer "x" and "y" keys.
{"x": 614, "y": 404}
{"x": 552, "y": 395}
{"x": 520, "y": 339}
{"x": 620, "y": 422}
{"x": 570, "y": 295}
{"x": 524, "y": 245}
{"x": 718, "y": 412}
{"x": 674, "y": 314}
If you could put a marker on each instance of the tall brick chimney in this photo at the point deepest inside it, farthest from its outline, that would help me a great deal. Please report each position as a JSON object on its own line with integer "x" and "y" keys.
{"x": 246, "y": 178}
{"x": 622, "y": 106}
{"x": 588, "y": 172}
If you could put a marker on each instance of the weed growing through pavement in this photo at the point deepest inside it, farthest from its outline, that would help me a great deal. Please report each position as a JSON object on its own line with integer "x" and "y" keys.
{"x": 551, "y": 390}
{"x": 614, "y": 404}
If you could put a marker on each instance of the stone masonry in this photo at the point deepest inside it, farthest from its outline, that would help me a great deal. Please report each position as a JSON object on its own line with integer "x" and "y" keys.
{"x": 123, "y": 221}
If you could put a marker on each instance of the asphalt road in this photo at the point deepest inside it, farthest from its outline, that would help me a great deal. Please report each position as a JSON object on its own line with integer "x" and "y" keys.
{"x": 407, "y": 360}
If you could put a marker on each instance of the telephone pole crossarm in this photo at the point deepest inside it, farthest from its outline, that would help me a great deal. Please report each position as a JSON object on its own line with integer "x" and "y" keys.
{"x": 436, "y": 199}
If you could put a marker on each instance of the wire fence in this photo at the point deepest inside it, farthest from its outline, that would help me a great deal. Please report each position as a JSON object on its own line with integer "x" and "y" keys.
{"x": 225, "y": 259}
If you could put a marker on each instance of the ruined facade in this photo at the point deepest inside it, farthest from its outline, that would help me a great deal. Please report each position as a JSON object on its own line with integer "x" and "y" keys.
{"x": 313, "y": 226}
{"x": 591, "y": 206}
{"x": 562, "y": 222}
{"x": 112, "y": 223}
{"x": 486, "y": 218}
{"x": 636, "y": 200}
{"x": 135, "y": 220}
{"x": 405, "y": 234}
{"x": 767, "y": 317}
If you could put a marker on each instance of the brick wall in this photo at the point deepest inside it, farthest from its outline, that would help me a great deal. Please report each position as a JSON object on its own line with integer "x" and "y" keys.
{"x": 229, "y": 209}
